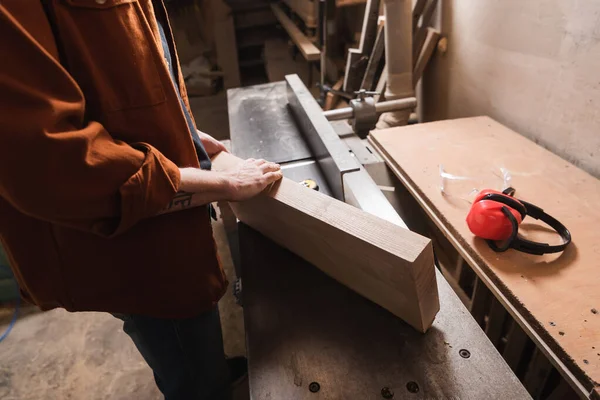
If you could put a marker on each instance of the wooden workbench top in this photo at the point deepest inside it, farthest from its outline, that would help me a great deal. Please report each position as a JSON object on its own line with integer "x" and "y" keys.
{"x": 556, "y": 296}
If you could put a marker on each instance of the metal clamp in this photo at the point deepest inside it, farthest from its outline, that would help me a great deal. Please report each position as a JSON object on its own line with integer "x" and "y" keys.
{"x": 365, "y": 114}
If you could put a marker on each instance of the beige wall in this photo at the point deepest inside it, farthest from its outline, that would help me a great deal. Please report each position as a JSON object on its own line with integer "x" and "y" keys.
{"x": 533, "y": 65}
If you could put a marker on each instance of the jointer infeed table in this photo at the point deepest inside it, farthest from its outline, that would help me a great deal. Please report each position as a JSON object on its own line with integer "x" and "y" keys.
{"x": 309, "y": 337}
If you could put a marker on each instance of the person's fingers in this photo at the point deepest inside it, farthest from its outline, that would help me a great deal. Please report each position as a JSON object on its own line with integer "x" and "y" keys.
{"x": 272, "y": 176}
{"x": 251, "y": 160}
{"x": 270, "y": 167}
{"x": 260, "y": 162}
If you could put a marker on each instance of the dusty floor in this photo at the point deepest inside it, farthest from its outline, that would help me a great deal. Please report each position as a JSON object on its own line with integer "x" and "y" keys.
{"x": 59, "y": 355}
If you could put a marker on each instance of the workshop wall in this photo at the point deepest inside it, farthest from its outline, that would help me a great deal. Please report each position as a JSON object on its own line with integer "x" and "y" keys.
{"x": 532, "y": 65}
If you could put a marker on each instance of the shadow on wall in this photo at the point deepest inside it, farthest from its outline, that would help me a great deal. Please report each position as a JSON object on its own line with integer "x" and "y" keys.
{"x": 531, "y": 66}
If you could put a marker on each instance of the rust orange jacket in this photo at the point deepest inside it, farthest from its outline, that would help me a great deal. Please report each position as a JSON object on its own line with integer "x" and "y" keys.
{"x": 91, "y": 138}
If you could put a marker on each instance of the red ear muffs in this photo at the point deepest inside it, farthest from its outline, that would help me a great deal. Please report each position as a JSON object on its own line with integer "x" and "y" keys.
{"x": 488, "y": 220}
{"x": 496, "y": 216}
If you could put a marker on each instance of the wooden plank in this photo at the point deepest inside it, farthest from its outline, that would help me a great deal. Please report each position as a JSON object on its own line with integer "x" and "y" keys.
{"x": 515, "y": 344}
{"x": 428, "y": 48}
{"x": 375, "y": 63}
{"x": 421, "y": 32}
{"x": 369, "y": 27}
{"x": 536, "y": 290}
{"x": 355, "y": 63}
{"x": 417, "y": 12}
{"x": 347, "y": 3}
{"x": 537, "y": 374}
{"x": 225, "y": 42}
{"x": 309, "y": 51}
{"x": 358, "y": 59}
{"x": 387, "y": 264}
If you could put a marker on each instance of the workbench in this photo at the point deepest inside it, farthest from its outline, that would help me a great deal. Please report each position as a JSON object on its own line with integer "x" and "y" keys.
{"x": 552, "y": 298}
{"x": 307, "y": 335}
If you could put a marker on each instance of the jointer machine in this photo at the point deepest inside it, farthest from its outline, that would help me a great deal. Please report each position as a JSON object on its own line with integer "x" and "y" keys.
{"x": 309, "y": 337}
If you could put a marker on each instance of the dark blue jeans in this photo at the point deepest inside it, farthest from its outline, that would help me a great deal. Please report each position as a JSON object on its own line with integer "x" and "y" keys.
{"x": 186, "y": 355}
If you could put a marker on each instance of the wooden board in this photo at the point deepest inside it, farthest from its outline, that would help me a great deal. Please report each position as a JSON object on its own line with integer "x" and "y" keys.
{"x": 346, "y": 3}
{"x": 418, "y": 8}
{"x": 421, "y": 32}
{"x": 309, "y": 51}
{"x": 428, "y": 48}
{"x": 387, "y": 264}
{"x": 375, "y": 63}
{"x": 536, "y": 290}
{"x": 357, "y": 59}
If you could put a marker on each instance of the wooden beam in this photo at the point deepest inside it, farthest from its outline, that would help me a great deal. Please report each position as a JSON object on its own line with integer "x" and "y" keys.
{"x": 421, "y": 31}
{"x": 357, "y": 59}
{"x": 389, "y": 265}
{"x": 428, "y": 48}
{"x": 346, "y": 3}
{"x": 376, "y": 62}
{"x": 417, "y": 11}
{"x": 309, "y": 51}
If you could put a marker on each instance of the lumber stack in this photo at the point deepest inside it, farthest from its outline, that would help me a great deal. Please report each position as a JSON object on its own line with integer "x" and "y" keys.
{"x": 385, "y": 263}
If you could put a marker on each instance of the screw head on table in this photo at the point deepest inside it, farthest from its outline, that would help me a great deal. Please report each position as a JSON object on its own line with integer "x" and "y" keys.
{"x": 464, "y": 353}
{"x": 314, "y": 387}
{"x": 412, "y": 387}
{"x": 387, "y": 393}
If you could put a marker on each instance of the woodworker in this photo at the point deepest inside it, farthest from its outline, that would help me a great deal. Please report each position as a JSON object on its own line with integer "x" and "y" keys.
{"x": 96, "y": 140}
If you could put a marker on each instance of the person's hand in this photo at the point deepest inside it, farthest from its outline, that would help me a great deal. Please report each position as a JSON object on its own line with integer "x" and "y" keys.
{"x": 211, "y": 145}
{"x": 251, "y": 177}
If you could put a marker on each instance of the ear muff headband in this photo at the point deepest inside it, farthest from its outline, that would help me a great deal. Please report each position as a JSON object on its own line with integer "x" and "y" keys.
{"x": 524, "y": 208}
{"x": 509, "y": 201}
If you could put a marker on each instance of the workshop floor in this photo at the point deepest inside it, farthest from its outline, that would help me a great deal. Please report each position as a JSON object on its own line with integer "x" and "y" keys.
{"x": 60, "y": 355}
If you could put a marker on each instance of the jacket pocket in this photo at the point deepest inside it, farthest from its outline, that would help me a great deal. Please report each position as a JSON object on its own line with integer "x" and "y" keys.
{"x": 110, "y": 50}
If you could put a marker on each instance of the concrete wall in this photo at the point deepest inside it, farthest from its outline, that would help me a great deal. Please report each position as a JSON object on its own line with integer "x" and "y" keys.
{"x": 533, "y": 65}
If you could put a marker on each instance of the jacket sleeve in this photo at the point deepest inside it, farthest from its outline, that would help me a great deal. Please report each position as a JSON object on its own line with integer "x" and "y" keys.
{"x": 53, "y": 165}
